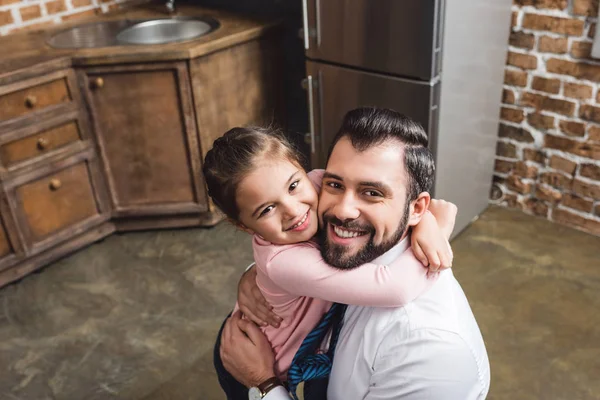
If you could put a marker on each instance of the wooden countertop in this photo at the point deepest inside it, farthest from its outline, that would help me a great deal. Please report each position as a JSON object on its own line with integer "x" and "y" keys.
{"x": 29, "y": 49}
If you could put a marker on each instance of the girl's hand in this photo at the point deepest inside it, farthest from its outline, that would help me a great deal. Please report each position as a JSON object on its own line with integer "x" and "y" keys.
{"x": 253, "y": 304}
{"x": 429, "y": 239}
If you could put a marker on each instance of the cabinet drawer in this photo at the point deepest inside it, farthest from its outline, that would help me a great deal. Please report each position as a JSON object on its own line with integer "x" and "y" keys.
{"x": 57, "y": 201}
{"x": 41, "y": 143}
{"x": 23, "y": 101}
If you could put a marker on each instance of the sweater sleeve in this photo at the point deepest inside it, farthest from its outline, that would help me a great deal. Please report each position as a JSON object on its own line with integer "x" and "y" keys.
{"x": 301, "y": 271}
{"x": 316, "y": 178}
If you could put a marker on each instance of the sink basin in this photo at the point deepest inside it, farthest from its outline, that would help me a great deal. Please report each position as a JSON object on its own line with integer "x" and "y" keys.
{"x": 161, "y": 31}
{"x": 136, "y": 32}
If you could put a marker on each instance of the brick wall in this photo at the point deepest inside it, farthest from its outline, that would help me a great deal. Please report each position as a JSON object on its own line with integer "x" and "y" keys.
{"x": 18, "y": 15}
{"x": 548, "y": 154}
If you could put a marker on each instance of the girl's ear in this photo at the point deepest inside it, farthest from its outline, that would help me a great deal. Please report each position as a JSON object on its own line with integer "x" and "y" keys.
{"x": 240, "y": 226}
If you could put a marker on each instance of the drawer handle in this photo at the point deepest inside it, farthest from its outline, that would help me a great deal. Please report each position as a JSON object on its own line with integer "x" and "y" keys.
{"x": 55, "y": 184}
{"x": 30, "y": 101}
{"x": 98, "y": 83}
{"x": 42, "y": 144}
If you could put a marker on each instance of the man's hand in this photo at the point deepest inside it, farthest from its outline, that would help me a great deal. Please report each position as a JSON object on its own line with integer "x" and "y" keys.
{"x": 253, "y": 304}
{"x": 245, "y": 352}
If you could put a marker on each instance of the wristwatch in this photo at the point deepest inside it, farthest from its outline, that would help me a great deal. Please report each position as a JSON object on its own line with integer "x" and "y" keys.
{"x": 260, "y": 391}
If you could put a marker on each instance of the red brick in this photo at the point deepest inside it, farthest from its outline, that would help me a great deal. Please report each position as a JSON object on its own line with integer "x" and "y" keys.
{"x": 589, "y": 112}
{"x": 515, "y": 184}
{"x": 588, "y": 8}
{"x": 536, "y": 207}
{"x": 565, "y": 26}
{"x": 523, "y": 61}
{"x": 577, "y": 221}
{"x": 508, "y": 96}
{"x": 572, "y": 128}
{"x": 597, "y": 210}
{"x": 39, "y": 26}
{"x": 581, "y": 49}
{"x": 515, "y": 77}
{"x": 592, "y": 30}
{"x": 505, "y": 149}
{"x": 591, "y": 171}
{"x": 547, "y": 103}
{"x": 525, "y": 170}
{"x": 555, "y": 179}
{"x": 81, "y": 3}
{"x": 512, "y": 114}
{"x": 594, "y": 134}
{"x": 5, "y": 18}
{"x": 548, "y": 194}
{"x": 522, "y": 40}
{"x": 585, "y": 189}
{"x": 80, "y": 15}
{"x": 577, "y": 91}
{"x": 548, "y": 44}
{"x": 578, "y": 70}
{"x": 519, "y": 134}
{"x": 540, "y": 121}
{"x": 534, "y": 155}
{"x": 514, "y": 18}
{"x": 556, "y": 4}
{"x": 503, "y": 166}
{"x": 55, "y": 7}
{"x": 548, "y": 85}
{"x": 577, "y": 203}
{"x": 30, "y": 12}
{"x": 562, "y": 164}
{"x": 583, "y": 149}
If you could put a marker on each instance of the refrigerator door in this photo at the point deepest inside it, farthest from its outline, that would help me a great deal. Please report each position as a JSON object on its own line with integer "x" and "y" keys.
{"x": 333, "y": 91}
{"x": 401, "y": 38}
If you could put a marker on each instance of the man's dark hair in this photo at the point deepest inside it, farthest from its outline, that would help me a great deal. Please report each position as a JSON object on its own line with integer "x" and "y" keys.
{"x": 369, "y": 126}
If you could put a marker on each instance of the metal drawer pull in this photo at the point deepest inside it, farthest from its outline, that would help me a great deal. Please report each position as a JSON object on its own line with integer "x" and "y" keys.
{"x": 30, "y": 101}
{"x": 98, "y": 83}
{"x": 42, "y": 143}
{"x": 55, "y": 184}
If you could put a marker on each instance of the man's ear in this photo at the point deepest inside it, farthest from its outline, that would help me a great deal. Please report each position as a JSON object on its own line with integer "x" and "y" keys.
{"x": 240, "y": 226}
{"x": 418, "y": 208}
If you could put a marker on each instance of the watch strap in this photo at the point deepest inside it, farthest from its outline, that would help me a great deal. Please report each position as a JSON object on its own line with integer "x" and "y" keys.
{"x": 269, "y": 385}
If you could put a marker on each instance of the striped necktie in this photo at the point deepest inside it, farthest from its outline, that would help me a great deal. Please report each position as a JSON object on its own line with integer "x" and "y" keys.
{"x": 307, "y": 364}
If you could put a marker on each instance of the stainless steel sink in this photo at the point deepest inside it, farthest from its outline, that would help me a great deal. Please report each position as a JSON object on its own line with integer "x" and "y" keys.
{"x": 162, "y": 31}
{"x": 136, "y": 32}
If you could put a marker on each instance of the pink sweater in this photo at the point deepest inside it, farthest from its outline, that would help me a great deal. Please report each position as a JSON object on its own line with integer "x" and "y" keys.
{"x": 300, "y": 286}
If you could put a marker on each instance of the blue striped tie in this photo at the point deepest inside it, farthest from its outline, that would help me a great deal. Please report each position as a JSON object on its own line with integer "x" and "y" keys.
{"x": 308, "y": 365}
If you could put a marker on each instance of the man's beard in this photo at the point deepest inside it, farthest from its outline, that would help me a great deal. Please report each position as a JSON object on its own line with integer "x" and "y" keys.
{"x": 335, "y": 254}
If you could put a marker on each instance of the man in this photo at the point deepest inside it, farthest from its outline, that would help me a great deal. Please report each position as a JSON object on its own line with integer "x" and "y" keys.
{"x": 375, "y": 187}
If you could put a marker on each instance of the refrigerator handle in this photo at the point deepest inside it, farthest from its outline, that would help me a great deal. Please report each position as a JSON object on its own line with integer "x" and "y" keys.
{"x": 309, "y": 85}
{"x": 305, "y": 30}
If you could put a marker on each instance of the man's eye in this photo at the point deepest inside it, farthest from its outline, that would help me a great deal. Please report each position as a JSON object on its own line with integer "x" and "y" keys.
{"x": 373, "y": 193}
{"x": 334, "y": 185}
{"x": 294, "y": 185}
{"x": 266, "y": 211}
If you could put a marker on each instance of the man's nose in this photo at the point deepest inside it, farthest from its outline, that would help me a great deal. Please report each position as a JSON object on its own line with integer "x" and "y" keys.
{"x": 347, "y": 208}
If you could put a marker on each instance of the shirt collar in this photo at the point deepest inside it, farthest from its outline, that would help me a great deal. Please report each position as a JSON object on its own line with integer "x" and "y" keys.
{"x": 393, "y": 253}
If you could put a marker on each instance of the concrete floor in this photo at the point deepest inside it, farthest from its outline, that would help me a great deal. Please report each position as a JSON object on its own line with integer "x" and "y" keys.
{"x": 135, "y": 316}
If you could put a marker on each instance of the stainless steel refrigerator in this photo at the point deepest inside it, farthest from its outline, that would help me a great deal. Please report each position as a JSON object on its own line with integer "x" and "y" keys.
{"x": 440, "y": 62}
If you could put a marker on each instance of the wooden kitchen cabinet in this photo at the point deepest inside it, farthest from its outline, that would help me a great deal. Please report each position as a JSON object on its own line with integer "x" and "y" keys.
{"x": 143, "y": 117}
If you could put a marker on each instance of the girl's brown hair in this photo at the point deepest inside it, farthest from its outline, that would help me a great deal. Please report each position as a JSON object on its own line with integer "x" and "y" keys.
{"x": 237, "y": 153}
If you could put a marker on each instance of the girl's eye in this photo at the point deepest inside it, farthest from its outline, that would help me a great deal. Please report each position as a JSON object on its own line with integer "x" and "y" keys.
{"x": 294, "y": 185}
{"x": 266, "y": 211}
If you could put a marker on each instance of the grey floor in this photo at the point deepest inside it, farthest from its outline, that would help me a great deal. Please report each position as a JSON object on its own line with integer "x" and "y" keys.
{"x": 135, "y": 316}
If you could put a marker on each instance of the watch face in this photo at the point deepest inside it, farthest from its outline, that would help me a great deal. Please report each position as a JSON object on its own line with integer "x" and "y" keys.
{"x": 254, "y": 394}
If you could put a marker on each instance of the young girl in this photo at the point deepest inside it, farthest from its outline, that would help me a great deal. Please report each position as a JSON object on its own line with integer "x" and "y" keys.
{"x": 255, "y": 177}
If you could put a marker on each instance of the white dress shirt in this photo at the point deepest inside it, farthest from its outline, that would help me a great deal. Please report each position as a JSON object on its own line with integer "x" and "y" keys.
{"x": 428, "y": 349}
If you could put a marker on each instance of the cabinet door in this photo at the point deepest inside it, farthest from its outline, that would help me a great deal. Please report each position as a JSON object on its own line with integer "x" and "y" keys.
{"x": 144, "y": 123}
